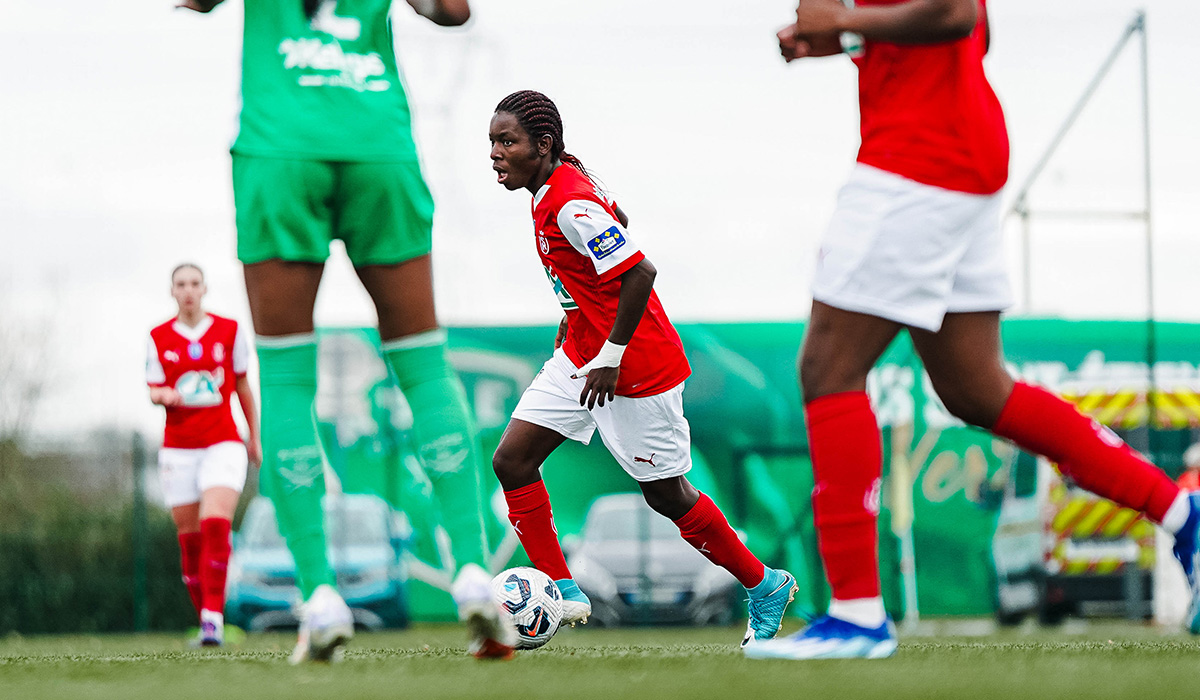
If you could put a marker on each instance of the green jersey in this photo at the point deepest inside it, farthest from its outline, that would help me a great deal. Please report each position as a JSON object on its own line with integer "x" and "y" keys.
{"x": 322, "y": 89}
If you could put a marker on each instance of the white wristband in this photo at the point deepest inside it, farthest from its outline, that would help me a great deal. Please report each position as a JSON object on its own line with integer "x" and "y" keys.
{"x": 609, "y": 356}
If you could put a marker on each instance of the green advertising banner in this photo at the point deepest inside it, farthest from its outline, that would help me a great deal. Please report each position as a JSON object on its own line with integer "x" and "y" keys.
{"x": 961, "y": 513}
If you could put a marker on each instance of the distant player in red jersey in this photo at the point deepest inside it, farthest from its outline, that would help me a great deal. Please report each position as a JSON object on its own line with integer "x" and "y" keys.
{"x": 618, "y": 367}
{"x": 194, "y": 364}
{"x": 915, "y": 244}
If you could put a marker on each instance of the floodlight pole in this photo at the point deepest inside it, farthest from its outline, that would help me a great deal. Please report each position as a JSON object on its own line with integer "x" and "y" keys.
{"x": 1151, "y": 325}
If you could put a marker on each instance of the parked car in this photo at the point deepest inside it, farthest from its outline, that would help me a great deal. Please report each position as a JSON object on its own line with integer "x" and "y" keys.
{"x": 364, "y": 551}
{"x": 636, "y": 569}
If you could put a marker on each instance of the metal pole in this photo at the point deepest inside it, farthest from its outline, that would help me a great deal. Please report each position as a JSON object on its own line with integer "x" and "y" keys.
{"x": 1151, "y": 330}
{"x": 1026, "y": 259}
{"x": 141, "y": 605}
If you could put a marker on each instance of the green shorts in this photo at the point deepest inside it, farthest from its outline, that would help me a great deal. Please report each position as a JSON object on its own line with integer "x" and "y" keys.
{"x": 292, "y": 210}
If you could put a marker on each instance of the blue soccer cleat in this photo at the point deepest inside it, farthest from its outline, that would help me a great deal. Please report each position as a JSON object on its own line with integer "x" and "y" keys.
{"x": 829, "y": 638}
{"x": 1187, "y": 551}
{"x": 768, "y": 600}
{"x": 575, "y": 605}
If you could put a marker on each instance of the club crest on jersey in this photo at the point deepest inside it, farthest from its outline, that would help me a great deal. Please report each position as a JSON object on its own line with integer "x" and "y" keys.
{"x": 195, "y": 351}
{"x": 543, "y": 243}
{"x": 606, "y": 243}
{"x": 219, "y": 352}
{"x": 171, "y": 356}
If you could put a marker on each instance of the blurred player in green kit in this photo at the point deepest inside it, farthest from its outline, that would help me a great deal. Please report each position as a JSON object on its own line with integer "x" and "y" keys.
{"x": 325, "y": 151}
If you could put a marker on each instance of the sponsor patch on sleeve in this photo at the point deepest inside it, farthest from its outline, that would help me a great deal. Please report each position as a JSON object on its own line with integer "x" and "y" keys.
{"x": 606, "y": 243}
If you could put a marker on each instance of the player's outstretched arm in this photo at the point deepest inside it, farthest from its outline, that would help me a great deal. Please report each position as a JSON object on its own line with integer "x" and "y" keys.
{"x": 602, "y": 372}
{"x": 909, "y": 22}
{"x": 250, "y": 411}
{"x": 446, "y": 13}
{"x": 199, "y": 5}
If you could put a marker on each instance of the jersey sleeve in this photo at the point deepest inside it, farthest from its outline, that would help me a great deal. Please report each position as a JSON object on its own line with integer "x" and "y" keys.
{"x": 155, "y": 376}
{"x": 596, "y": 234}
{"x": 241, "y": 353}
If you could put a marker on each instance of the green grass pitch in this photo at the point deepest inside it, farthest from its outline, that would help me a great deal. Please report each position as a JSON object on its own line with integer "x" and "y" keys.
{"x": 427, "y": 662}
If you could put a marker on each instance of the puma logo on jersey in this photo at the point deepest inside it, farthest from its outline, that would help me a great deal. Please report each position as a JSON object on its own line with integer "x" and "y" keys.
{"x": 328, "y": 22}
{"x": 584, "y": 215}
{"x": 646, "y": 461}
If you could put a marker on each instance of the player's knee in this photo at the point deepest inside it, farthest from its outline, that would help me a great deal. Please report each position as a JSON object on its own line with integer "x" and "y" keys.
{"x": 668, "y": 498}
{"x": 968, "y": 405}
{"x": 509, "y": 467}
{"x": 821, "y": 375}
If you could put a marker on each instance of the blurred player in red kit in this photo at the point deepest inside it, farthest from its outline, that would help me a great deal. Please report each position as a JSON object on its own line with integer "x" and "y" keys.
{"x": 915, "y": 244}
{"x": 195, "y": 363}
{"x": 618, "y": 368}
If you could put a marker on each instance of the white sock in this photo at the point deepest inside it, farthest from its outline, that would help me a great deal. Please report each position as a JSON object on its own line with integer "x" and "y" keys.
{"x": 864, "y": 612}
{"x": 1177, "y": 514}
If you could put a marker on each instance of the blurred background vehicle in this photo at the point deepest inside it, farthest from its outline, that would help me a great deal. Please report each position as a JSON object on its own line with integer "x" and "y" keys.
{"x": 636, "y": 569}
{"x": 364, "y": 549}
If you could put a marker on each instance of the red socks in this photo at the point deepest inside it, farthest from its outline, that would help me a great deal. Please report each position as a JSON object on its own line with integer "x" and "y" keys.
{"x": 847, "y": 458}
{"x": 529, "y": 513}
{"x": 214, "y": 562}
{"x": 1090, "y": 454}
{"x": 189, "y": 549}
{"x": 705, "y": 528}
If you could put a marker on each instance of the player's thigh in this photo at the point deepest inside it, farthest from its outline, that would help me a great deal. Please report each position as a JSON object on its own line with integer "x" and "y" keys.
{"x": 892, "y": 248}
{"x": 223, "y": 465}
{"x": 839, "y": 349}
{"x": 282, "y": 295}
{"x": 965, "y": 362}
{"x": 219, "y": 502}
{"x": 178, "y": 472}
{"x": 552, "y": 401}
{"x": 385, "y": 212}
{"x": 649, "y": 437}
{"x": 403, "y": 296}
{"x": 284, "y": 208}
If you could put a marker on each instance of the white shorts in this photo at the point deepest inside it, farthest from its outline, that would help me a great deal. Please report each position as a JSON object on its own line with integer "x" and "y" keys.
{"x": 186, "y": 474}
{"x": 648, "y": 436}
{"x": 911, "y": 253}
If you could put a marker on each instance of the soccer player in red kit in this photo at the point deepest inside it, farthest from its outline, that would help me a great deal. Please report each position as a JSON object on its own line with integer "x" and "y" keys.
{"x": 915, "y": 244}
{"x": 618, "y": 367}
{"x": 195, "y": 363}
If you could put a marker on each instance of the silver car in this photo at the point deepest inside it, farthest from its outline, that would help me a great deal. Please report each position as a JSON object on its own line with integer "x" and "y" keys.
{"x": 636, "y": 569}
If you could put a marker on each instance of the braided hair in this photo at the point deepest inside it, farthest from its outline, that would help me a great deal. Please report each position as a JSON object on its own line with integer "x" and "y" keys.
{"x": 538, "y": 116}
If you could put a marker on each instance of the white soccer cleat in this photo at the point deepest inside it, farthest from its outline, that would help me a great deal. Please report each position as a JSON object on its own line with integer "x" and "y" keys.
{"x": 576, "y": 608}
{"x": 575, "y": 612}
{"x": 212, "y": 628}
{"x": 326, "y": 625}
{"x": 491, "y": 634}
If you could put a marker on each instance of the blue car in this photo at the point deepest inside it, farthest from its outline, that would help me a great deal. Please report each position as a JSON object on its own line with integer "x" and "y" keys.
{"x": 364, "y": 551}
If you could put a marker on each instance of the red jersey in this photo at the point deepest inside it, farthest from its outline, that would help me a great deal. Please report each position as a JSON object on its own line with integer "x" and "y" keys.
{"x": 930, "y": 115}
{"x": 585, "y": 250}
{"x": 203, "y": 364}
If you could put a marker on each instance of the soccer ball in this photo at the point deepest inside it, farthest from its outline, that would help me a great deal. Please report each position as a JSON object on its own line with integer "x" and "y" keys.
{"x": 531, "y": 601}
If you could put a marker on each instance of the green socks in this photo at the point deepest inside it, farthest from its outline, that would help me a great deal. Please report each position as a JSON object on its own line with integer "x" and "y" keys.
{"x": 292, "y": 474}
{"x": 444, "y": 438}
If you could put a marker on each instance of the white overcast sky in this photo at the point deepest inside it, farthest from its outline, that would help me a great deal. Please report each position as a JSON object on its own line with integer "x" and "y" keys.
{"x": 116, "y": 116}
